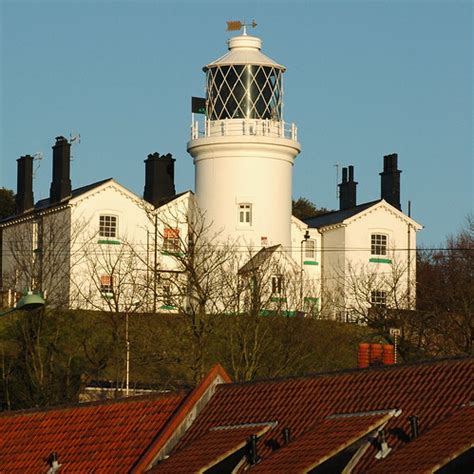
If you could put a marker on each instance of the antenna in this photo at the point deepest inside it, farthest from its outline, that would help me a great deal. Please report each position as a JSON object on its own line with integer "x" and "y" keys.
{"x": 73, "y": 139}
{"x": 38, "y": 156}
{"x": 337, "y": 179}
{"x": 237, "y": 25}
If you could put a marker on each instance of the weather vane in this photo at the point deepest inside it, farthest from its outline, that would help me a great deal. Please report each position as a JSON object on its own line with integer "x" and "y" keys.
{"x": 237, "y": 25}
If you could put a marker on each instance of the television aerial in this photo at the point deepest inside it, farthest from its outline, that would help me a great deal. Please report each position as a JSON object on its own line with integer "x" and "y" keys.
{"x": 73, "y": 140}
{"x": 38, "y": 156}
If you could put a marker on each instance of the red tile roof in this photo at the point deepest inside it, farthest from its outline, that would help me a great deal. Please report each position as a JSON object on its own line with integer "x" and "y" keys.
{"x": 97, "y": 437}
{"x": 208, "y": 450}
{"x": 328, "y": 438}
{"x": 427, "y": 453}
{"x": 430, "y": 390}
{"x": 123, "y": 435}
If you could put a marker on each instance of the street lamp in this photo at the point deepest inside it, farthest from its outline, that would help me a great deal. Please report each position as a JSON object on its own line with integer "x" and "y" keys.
{"x": 28, "y": 302}
{"x": 305, "y": 238}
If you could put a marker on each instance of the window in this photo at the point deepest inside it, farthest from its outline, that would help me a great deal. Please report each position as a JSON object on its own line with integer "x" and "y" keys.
{"x": 108, "y": 226}
{"x": 167, "y": 300}
{"x": 379, "y": 244}
{"x": 171, "y": 240}
{"x": 277, "y": 284}
{"x": 378, "y": 298}
{"x": 106, "y": 284}
{"x": 310, "y": 249}
{"x": 245, "y": 214}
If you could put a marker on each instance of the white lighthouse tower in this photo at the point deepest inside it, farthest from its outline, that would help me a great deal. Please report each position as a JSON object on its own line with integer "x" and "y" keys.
{"x": 244, "y": 152}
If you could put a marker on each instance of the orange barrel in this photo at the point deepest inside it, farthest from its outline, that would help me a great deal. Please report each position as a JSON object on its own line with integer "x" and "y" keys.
{"x": 376, "y": 354}
{"x": 363, "y": 357}
{"x": 388, "y": 354}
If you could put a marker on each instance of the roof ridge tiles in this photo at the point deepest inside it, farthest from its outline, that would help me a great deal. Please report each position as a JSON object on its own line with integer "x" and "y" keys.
{"x": 355, "y": 370}
{"x": 79, "y": 406}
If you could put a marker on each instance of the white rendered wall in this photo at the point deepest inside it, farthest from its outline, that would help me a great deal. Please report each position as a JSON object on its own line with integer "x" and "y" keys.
{"x": 246, "y": 169}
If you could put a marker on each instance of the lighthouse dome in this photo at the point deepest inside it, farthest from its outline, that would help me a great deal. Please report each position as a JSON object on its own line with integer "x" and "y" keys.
{"x": 244, "y": 83}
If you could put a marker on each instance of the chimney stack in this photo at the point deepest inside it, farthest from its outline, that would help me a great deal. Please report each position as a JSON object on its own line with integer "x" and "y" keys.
{"x": 159, "y": 178}
{"x": 347, "y": 190}
{"x": 390, "y": 181}
{"x": 24, "y": 195}
{"x": 61, "y": 184}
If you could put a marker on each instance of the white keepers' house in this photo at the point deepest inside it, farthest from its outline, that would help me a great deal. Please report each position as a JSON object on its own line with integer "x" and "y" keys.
{"x": 69, "y": 244}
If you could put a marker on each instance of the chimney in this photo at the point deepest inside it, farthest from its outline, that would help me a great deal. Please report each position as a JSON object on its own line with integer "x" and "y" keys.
{"x": 159, "y": 178}
{"x": 347, "y": 190}
{"x": 390, "y": 181}
{"x": 61, "y": 184}
{"x": 24, "y": 195}
{"x": 286, "y": 435}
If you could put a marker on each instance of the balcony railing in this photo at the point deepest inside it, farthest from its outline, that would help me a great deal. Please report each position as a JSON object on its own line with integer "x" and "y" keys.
{"x": 243, "y": 127}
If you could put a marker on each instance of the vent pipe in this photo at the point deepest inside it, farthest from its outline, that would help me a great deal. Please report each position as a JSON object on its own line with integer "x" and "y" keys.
{"x": 24, "y": 194}
{"x": 286, "y": 435}
{"x": 414, "y": 428}
{"x": 347, "y": 189}
{"x": 61, "y": 184}
{"x": 252, "y": 453}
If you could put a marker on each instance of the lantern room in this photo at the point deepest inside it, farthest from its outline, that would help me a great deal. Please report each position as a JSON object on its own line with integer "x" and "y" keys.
{"x": 244, "y": 83}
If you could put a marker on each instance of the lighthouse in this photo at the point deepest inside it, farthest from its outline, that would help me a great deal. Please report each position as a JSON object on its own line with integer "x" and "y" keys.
{"x": 243, "y": 151}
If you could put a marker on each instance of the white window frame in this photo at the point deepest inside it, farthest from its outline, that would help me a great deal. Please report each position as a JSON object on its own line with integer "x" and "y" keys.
{"x": 277, "y": 282}
{"x": 107, "y": 288}
{"x": 310, "y": 253}
{"x": 108, "y": 226}
{"x": 244, "y": 214}
{"x": 171, "y": 240}
{"x": 379, "y": 244}
{"x": 378, "y": 298}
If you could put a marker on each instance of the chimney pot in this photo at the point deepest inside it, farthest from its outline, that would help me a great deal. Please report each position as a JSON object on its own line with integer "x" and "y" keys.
{"x": 390, "y": 181}
{"x": 24, "y": 196}
{"x": 347, "y": 190}
{"x": 61, "y": 183}
{"x": 159, "y": 178}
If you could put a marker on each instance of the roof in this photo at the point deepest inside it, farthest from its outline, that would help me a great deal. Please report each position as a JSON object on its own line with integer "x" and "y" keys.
{"x": 326, "y": 439}
{"x": 336, "y": 217}
{"x": 450, "y": 438}
{"x": 43, "y": 204}
{"x": 123, "y": 435}
{"x": 87, "y": 438}
{"x": 432, "y": 391}
{"x": 208, "y": 450}
{"x": 259, "y": 259}
{"x": 244, "y": 49}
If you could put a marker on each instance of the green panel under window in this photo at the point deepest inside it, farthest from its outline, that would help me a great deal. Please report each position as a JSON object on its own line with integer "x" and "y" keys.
{"x": 380, "y": 260}
{"x": 276, "y": 299}
{"x": 167, "y": 306}
{"x": 109, "y": 242}
{"x": 309, "y": 299}
{"x": 310, "y": 262}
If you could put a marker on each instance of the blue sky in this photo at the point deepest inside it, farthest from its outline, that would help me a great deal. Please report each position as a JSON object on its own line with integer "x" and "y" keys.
{"x": 364, "y": 79}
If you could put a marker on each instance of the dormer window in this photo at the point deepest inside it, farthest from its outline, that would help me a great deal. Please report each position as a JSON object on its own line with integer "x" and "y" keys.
{"x": 245, "y": 214}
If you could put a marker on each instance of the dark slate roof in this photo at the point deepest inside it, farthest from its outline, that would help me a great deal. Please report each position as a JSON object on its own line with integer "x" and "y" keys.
{"x": 335, "y": 217}
{"x": 261, "y": 257}
{"x": 45, "y": 203}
